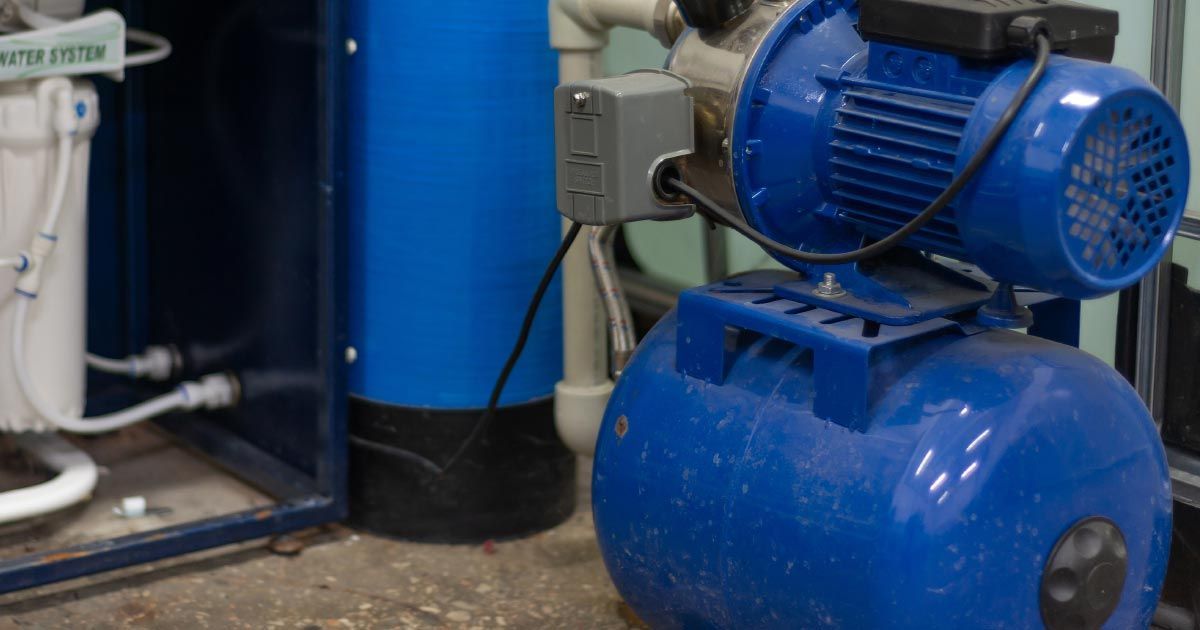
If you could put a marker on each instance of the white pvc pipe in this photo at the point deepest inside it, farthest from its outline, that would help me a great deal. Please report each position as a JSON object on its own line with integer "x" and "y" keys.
{"x": 579, "y": 31}
{"x": 584, "y": 24}
{"x": 581, "y": 397}
{"x": 74, "y": 483}
{"x": 637, "y": 14}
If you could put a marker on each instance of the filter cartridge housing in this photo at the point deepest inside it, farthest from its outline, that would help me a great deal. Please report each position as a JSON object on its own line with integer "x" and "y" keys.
{"x": 56, "y": 332}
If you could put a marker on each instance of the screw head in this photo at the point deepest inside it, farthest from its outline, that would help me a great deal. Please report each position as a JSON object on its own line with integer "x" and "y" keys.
{"x": 580, "y": 99}
{"x": 351, "y": 46}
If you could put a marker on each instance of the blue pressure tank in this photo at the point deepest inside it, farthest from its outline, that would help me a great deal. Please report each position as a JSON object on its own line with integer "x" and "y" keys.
{"x": 450, "y": 176}
{"x": 729, "y": 495}
{"x": 870, "y": 451}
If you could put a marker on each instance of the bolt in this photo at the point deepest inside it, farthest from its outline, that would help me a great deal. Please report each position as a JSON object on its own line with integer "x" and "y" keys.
{"x": 351, "y": 355}
{"x": 581, "y": 99}
{"x": 923, "y": 70}
{"x": 351, "y": 46}
{"x": 622, "y": 426}
{"x": 830, "y": 287}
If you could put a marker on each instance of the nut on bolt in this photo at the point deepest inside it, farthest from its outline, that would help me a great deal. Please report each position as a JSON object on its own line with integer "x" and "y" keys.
{"x": 830, "y": 287}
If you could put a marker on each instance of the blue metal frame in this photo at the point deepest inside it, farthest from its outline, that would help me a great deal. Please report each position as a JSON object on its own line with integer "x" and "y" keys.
{"x": 846, "y": 340}
{"x": 306, "y": 497}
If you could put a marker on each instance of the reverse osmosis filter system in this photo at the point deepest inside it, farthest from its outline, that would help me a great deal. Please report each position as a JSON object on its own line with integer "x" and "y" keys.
{"x": 48, "y": 116}
{"x": 868, "y": 440}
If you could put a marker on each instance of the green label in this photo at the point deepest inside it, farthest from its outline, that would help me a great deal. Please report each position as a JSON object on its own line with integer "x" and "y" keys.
{"x": 91, "y": 45}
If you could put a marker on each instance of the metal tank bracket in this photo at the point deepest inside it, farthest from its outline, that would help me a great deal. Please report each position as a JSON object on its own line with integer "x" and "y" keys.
{"x": 843, "y": 344}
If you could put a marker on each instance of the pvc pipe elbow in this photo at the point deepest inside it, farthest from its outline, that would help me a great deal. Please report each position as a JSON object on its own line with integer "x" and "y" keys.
{"x": 584, "y": 24}
{"x": 572, "y": 27}
{"x": 578, "y": 414}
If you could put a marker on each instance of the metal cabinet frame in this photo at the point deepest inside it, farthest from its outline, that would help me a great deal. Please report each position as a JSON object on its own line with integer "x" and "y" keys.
{"x": 305, "y": 498}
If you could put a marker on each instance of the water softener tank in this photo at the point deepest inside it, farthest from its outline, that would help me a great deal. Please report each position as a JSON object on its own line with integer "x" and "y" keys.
{"x": 872, "y": 451}
{"x": 450, "y": 187}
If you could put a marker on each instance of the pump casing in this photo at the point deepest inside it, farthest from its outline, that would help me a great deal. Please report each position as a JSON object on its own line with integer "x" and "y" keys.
{"x": 820, "y": 141}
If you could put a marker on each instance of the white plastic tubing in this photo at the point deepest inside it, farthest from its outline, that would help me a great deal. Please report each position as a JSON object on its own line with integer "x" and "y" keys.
{"x": 157, "y": 363}
{"x": 75, "y": 480}
{"x": 159, "y": 46}
{"x": 579, "y": 31}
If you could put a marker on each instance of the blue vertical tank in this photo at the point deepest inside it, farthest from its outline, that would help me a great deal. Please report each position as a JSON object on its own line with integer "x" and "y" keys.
{"x": 450, "y": 176}
{"x": 722, "y": 498}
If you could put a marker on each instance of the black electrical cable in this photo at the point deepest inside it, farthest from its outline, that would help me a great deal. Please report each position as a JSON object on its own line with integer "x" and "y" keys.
{"x": 715, "y": 211}
{"x": 522, "y": 339}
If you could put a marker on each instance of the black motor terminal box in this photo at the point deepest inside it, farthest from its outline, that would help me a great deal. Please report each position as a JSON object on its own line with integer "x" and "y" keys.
{"x": 979, "y": 29}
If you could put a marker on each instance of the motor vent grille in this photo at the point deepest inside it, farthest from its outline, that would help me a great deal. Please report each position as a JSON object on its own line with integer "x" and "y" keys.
{"x": 1124, "y": 190}
{"x": 892, "y": 154}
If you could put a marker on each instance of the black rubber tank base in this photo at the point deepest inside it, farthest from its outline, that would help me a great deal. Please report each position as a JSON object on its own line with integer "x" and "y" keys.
{"x": 516, "y": 480}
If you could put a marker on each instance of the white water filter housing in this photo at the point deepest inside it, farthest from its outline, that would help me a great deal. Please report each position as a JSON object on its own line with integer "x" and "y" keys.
{"x": 56, "y": 331}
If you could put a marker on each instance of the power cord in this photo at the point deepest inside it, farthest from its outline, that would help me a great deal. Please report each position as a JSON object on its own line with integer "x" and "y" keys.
{"x": 522, "y": 338}
{"x": 715, "y": 212}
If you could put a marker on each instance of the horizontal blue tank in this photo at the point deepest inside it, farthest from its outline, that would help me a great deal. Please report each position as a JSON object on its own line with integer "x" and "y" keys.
{"x": 450, "y": 180}
{"x": 734, "y": 486}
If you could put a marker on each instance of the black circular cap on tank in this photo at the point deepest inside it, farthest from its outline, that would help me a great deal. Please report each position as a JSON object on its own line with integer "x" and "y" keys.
{"x": 1084, "y": 577}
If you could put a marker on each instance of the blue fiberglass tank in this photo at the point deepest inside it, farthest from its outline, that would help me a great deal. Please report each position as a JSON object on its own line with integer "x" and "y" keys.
{"x": 450, "y": 178}
{"x": 871, "y": 454}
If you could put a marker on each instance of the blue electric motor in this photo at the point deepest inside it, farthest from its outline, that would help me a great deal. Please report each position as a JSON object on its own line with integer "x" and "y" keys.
{"x": 822, "y": 140}
{"x": 787, "y": 450}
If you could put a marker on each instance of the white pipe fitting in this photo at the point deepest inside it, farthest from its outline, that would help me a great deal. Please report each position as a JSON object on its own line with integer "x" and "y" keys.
{"x": 584, "y": 24}
{"x": 157, "y": 363}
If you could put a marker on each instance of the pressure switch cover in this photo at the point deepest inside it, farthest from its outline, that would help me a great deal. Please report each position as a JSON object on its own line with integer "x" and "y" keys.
{"x": 614, "y": 137}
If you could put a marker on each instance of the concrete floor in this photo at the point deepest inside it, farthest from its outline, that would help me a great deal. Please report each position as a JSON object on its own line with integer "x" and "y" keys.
{"x": 342, "y": 579}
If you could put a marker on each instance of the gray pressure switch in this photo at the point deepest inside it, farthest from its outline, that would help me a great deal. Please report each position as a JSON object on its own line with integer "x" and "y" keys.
{"x": 612, "y": 136}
